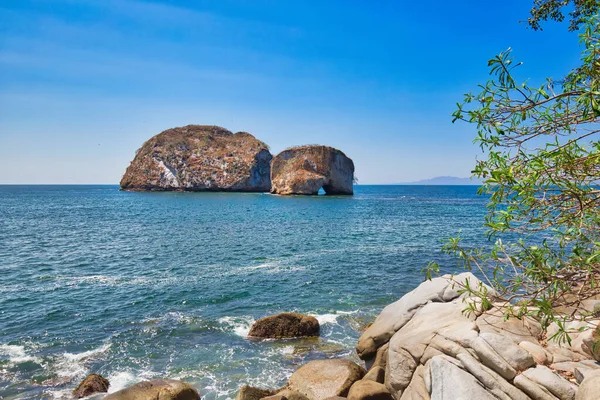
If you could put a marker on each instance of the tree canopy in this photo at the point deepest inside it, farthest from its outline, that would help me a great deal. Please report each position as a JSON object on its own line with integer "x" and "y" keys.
{"x": 541, "y": 169}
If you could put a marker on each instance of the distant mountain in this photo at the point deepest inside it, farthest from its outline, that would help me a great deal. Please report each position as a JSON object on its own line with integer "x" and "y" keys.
{"x": 446, "y": 180}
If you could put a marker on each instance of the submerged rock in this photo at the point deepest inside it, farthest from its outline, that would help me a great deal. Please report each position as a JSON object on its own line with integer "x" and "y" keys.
{"x": 306, "y": 169}
{"x": 157, "y": 389}
{"x": 92, "y": 383}
{"x": 200, "y": 158}
{"x": 285, "y": 325}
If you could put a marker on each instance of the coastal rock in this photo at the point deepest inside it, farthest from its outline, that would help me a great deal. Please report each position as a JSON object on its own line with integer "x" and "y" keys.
{"x": 253, "y": 393}
{"x": 369, "y": 390}
{"x": 539, "y": 354}
{"x": 375, "y": 374}
{"x": 306, "y": 169}
{"x": 555, "y": 384}
{"x": 396, "y": 315}
{"x": 285, "y": 325}
{"x": 448, "y": 382}
{"x": 92, "y": 383}
{"x": 590, "y": 387}
{"x": 161, "y": 389}
{"x": 200, "y": 158}
{"x": 286, "y": 394}
{"x": 320, "y": 379}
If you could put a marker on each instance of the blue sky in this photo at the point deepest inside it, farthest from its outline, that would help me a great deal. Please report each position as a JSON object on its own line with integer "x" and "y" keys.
{"x": 83, "y": 83}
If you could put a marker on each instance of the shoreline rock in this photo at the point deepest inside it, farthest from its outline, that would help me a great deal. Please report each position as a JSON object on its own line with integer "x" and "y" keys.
{"x": 163, "y": 389}
{"x": 426, "y": 347}
{"x": 93, "y": 383}
{"x": 285, "y": 325}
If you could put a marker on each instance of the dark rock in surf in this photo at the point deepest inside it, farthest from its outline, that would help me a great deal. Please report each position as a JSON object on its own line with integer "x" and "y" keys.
{"x": 285, "y": 325}
{"x": 92, "y": 383}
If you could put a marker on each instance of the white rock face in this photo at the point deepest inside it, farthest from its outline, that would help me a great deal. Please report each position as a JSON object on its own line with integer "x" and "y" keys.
{"x": 396, "y": 315}
{"x": 433, "y": 349}
{"x": 448, "y": 382}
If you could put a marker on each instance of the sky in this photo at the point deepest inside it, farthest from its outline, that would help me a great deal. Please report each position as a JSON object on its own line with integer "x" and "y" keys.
{"x": 83, "y": 83}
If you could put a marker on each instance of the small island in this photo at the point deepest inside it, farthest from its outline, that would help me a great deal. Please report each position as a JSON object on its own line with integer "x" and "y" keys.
{"x": 197, "y": 158}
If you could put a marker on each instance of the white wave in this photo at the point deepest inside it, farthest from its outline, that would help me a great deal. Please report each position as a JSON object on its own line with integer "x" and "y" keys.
{"x": 326, "y": 318}
{"x": 17, "y": 354}
{"x": 69, "y": 365}
{"x": 121, "y": 380}
{"x": 239, "y": 325}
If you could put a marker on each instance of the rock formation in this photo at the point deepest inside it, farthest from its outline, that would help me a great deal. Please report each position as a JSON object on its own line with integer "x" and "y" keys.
{"x": 306, "y": 169}
{"x": 163, "y": 389}
{"x": 285, "y": 325}
{"x": 92, "y": 383}
{"x": 425, "y": 346}
{"x": 200, "y": 158}
{"x": 431, "y": 349}
{"x": 316, "y": 380}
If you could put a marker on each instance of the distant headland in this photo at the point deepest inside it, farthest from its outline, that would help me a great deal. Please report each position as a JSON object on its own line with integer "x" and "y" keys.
{"x": 446, "y": 180}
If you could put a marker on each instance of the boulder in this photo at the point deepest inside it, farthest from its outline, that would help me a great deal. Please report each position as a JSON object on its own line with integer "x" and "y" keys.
{"x": 539, "y": 354}
{"x": 513, "y": 328}
{"x": 590, "y": 387}
{"x": 306, "y": 169}
{"x": 369, "y": 390}
{"x": 555, "y": 384}
{"x": 396, "y": 315}
{"x": 286, "y": 394}
{"x": 449, "y": 382}
{"x": 285, "y": 325}
{"x": 157, "y": 389}
{"x": 517, "y": 357}
{"x": 320, "y": 379}
{"x": 253, "y": 393}
{"x": 408, "y": 345}
{"x": 200, "y": 158}
{"x": 375, "y": 374}
{"x": 532, "y": 389}
{"x": 92, "y": 383}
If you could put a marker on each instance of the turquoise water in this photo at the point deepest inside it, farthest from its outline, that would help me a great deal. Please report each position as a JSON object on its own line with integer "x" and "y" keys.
{"x": 141, "y": 285}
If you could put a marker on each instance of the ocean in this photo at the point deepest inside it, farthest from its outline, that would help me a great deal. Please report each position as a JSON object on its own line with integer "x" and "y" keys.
{"x": 136, "y": 286}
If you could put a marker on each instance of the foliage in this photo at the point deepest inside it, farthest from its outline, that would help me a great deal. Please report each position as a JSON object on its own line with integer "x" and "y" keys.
{"x": 542, "y": 173}
{"x": 581, "y": 10}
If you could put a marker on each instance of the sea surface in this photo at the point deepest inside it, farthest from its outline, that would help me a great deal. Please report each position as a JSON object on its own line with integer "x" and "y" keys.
{"x": 136, "y": 286}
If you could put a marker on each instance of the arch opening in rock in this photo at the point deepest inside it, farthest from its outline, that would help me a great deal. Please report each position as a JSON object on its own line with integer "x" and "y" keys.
{"x": 309, "y": 169}
{"x": 321, "y": 191}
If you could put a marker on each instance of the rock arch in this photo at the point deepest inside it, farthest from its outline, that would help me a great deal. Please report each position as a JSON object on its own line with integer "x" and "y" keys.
{"x": 306, "y": 169}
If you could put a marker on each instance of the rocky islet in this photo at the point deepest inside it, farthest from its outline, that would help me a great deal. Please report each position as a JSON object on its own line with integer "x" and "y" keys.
{"x": 211, "y": 158}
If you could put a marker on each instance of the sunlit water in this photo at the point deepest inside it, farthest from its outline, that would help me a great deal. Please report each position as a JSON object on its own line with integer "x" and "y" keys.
{"x": 142, "y": 285}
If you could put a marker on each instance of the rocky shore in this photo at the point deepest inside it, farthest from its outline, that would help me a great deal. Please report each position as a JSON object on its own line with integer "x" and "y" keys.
{"x": 427, "y": 346}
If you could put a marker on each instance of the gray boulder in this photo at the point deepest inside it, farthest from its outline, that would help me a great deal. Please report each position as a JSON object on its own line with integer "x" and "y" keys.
{"x": 396, "y": 315}
{"x": 557, "y": 385}
{"x": 590, "y": 387}
{"x": 448, "y": 382}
